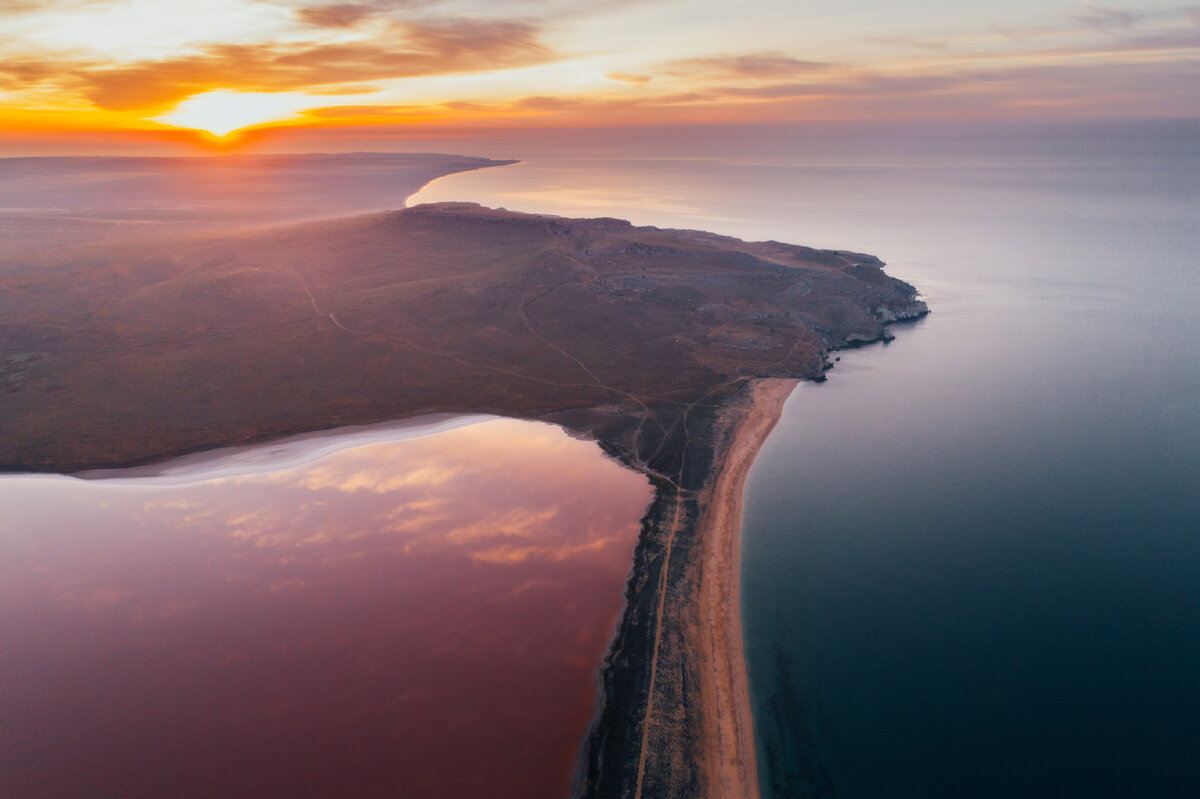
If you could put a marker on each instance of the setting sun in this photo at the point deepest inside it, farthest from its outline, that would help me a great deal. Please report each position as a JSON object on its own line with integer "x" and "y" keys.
{"x": 224, "y": 111}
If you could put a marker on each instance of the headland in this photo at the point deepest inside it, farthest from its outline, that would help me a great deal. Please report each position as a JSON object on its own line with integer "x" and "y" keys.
{"x": 673, "y": 349}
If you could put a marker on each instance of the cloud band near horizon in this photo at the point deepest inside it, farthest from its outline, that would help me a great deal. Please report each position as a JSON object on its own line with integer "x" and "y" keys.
{"x": 117, "y": 64}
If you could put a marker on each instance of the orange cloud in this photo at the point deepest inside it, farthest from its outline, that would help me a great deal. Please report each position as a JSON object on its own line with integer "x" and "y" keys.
{"x": 18, "y": 6}
{"x": 20, "y": 74}
{"x": 626, "y": 77}
{"x": 548, "y": 103}
{"x": 365, "y": 111}
{"x": 1109, "y": 17}
{"x": 419, "y": 49}
{"x": 1118, "y": 60}
{"x": 580, "y": 108}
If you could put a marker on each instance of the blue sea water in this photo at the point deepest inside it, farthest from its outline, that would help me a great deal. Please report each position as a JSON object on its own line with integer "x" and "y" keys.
{"x": 971, "y": 559}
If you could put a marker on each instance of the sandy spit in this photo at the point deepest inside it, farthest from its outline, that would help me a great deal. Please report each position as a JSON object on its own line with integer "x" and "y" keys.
{"x": 728, "y": 733}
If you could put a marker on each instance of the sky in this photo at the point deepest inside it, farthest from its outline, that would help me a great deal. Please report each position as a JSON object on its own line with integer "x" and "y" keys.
{"x": 174, "y": 67}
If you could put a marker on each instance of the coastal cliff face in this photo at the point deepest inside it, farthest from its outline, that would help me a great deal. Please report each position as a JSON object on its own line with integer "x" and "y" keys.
{"x": 118, "y": 354}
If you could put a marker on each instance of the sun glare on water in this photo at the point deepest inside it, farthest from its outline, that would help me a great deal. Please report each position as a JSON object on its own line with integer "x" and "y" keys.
{"x": 222, "y": 112}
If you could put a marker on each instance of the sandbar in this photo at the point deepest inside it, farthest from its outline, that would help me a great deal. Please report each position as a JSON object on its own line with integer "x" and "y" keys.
{"x": 676, "y": 721}
{"x": 729, "y": 732}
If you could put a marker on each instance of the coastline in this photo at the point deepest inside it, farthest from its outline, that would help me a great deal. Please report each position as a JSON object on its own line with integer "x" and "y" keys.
{"x": 407, "y": 203}
{"x": 729, "y": 736}
{"x": 281, "y": 453}
{"x": 675, "y": 719}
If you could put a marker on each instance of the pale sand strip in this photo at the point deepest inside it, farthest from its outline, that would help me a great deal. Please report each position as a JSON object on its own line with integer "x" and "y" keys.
{"x": 728, "y": 733}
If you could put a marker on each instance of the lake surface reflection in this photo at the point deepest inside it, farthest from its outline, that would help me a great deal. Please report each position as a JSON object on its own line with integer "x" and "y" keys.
{"x": 410, "y": 618}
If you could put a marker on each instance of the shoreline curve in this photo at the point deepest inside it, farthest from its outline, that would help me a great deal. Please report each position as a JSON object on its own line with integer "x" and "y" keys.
{"x": 675, "y": 719}
{"x": 730, "y": 733}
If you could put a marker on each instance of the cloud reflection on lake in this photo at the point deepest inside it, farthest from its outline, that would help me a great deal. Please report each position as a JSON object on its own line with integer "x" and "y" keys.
{"x": 419, "y": 618}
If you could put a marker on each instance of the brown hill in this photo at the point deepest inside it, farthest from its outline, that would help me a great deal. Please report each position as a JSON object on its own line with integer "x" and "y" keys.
{"x": 119, "y": 354}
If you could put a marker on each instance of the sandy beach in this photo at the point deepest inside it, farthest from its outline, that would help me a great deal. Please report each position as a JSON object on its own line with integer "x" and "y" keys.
{"x": 729, "y": 731}
{"x": 676, "y": 718}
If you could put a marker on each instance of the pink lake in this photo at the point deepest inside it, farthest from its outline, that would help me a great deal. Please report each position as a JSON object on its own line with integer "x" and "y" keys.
{"x": 421, "y": 618}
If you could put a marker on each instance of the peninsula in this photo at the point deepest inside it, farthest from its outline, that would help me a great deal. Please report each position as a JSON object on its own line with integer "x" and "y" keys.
{"x": 673, "y": 349}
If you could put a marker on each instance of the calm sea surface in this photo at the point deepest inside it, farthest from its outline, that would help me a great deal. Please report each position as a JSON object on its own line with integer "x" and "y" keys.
{"x": 971, "y": 559}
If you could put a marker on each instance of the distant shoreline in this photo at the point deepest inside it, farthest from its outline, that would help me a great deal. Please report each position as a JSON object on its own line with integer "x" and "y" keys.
{"x": 431, "y": 181}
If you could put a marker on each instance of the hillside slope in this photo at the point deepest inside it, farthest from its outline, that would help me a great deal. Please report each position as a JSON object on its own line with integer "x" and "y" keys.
{"x": 119, "y": 354}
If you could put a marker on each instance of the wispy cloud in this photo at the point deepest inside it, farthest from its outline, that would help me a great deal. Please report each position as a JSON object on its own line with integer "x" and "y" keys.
{"x": 856, "y": 85}
{"x": 18, "y": 74}
{"x": 445, "y": 60}
{"x": 1107, "y": 18}
{"x": 419, "y": 49}
{"x": 26, "y": 6}
{"x": 547, "y": 103}
{"x": 358, "y": 112}
{"x": 337, "y": 15}
{"x": 630, "y": 78}
{"x": 749, "y": 65}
